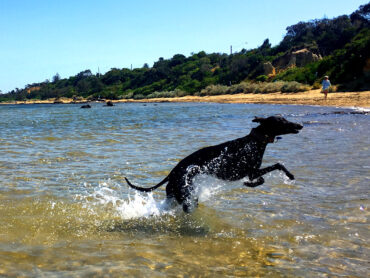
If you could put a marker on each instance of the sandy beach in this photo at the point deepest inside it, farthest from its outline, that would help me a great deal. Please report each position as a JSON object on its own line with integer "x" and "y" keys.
{"x": 312, "y": 97}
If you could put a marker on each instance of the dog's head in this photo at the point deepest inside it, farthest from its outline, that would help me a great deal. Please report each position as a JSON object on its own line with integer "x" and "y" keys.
{"x": 276, "y": 125}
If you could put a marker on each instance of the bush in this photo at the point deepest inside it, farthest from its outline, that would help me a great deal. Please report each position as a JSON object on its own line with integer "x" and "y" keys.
{"x": 271, "y": 87}
{"x": 164, "y": 94}
{"x": 294, "y": 87}
{"x": 139, "y": 96}
{"x": 249, "y": 88}
{"x": 214, "y": 90}
{"x": 316, "y": 86}
{"x": 261, "y": 78}
{"x": 127, "y": 95}
{"x": 236, "y": 89}
{"x": 168, "y": 94}
{"x": 180, "y": 93}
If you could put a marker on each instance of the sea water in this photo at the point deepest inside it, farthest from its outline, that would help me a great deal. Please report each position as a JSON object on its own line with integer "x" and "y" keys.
{"x": 66, "y": 211}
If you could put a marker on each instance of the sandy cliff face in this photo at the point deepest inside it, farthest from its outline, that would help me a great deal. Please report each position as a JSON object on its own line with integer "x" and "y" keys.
{"x": 298, "y": 58}
{"x": 268, "y": 69}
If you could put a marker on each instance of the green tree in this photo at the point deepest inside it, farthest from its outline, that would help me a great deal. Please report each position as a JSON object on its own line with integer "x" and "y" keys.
{"x": 56, "y": 78}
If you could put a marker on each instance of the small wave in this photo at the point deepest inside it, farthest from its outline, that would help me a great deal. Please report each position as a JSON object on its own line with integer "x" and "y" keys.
{"x": 361, "y": 109}
{"x": 348, "y": 111}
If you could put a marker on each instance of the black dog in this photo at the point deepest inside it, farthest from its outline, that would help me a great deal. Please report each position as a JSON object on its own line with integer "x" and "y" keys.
{"x": 231, "y": 161}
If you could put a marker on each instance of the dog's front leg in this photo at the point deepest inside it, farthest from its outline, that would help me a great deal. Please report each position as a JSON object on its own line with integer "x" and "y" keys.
{"x": 260, "y": 172}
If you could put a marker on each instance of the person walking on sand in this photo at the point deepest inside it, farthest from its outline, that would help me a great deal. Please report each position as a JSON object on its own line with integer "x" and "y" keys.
{"x": 325, "y": 86}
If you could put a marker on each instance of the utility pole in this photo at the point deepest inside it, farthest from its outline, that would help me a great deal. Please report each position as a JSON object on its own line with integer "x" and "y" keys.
{"x": 231, "y": 49}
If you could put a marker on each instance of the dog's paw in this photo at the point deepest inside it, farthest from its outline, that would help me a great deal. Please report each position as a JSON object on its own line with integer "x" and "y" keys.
{"x": 252, "y": 184}
{"x": 249, "y": 184}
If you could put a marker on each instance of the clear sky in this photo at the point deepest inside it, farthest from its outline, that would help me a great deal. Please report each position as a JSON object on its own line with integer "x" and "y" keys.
{"x": 39, "y": 38}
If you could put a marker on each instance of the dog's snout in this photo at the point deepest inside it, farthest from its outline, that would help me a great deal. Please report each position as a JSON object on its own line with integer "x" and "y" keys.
{"x": 297, "y": 128}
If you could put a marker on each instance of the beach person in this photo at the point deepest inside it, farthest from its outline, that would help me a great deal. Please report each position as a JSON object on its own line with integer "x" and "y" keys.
{"x": 325, "y": 86}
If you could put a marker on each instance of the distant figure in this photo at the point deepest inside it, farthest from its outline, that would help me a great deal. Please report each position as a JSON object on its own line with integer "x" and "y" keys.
{"x": 109, "y": 103}
{"x": 86, "y": 106}
{"x": 325, "y": 86}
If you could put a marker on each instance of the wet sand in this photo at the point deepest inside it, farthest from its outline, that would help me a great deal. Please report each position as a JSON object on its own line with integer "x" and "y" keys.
{"x": 312, "y": 97}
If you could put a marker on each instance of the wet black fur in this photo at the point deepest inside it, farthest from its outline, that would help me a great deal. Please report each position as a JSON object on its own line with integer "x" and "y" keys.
{"x": 231, "y": 161}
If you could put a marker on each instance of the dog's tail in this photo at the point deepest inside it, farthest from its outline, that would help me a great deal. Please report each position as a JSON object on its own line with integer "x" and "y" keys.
{"x": 143, "y": 189}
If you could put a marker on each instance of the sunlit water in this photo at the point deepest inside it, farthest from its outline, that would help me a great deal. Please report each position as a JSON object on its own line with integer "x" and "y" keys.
{"x": 66, "y": 211}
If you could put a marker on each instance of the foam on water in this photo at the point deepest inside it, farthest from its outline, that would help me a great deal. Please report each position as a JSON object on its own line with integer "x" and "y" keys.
{"x": 360, "y": 109}
{"x": 128, "y": 205}
{"x": 123, "y": 204}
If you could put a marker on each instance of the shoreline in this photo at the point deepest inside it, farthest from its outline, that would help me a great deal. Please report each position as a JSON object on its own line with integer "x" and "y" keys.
{"x": 312, "y": 97}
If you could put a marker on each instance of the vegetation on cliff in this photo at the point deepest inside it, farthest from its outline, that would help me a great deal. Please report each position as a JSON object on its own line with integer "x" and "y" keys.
{"x": 336, "y": 47}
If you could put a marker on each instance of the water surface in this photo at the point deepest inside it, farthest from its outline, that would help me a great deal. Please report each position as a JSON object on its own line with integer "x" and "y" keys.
{"x": 66, "y": 211}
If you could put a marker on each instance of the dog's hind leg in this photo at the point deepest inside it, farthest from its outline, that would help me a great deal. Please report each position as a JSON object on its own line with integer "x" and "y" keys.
{"x": 190, "y": 204}
{"x": 169, "y": 203}
{"x": 258, "y": 182}
{"x": 190, "y": 199}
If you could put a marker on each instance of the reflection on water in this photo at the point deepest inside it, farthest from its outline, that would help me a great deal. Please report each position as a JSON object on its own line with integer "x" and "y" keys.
{"x": 66, "y": 211}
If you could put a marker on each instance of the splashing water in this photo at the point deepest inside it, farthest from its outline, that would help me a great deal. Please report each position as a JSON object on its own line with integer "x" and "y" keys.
{"x": 124, "y": 206}
{"x": 108, "y": 195}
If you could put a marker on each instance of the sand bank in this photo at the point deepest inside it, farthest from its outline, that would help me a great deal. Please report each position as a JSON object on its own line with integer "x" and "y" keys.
{"x": 312, "y": 97}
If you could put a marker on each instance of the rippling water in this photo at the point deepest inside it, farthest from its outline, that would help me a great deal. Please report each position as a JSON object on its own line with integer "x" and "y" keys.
{"x": 65, "y": 210}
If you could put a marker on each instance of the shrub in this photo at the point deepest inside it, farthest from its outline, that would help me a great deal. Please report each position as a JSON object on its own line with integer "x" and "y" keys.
{"x": 261, "y": 78}
{"x": 164, "y": 94}
{"x": 180, "y": 93}
{"x": 214, "y": 90}
{"x": 272, "y": 87}
{"x": 128, "y": 95}
{"x": 294, "y": 87}
{"x": 139, "y": 96}
{"x": 236, "y": 89}
{"x": 316, "y": 86}
{"x": 249, "y": 88}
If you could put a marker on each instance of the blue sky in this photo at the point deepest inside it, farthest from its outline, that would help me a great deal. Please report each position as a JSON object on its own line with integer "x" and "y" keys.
{"x": 39, "y": 38}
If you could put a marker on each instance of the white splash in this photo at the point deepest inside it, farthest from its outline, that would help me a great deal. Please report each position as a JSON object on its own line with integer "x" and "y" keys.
{"x": 360, "y": 109}
{"x": 124, "y": 205}
{"x": 207, "y": 187}
{"x": 114, "y": 197}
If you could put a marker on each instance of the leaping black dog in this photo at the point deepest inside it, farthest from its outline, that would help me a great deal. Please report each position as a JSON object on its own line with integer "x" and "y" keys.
{"x": 231, "y": 161}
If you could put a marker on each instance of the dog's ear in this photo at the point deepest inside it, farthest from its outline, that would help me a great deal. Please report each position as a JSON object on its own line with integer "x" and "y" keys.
{"x": 258, "y": 120}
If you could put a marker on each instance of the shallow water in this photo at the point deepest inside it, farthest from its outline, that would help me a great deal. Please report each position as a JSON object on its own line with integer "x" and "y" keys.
{"x": 66, "y": 210}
